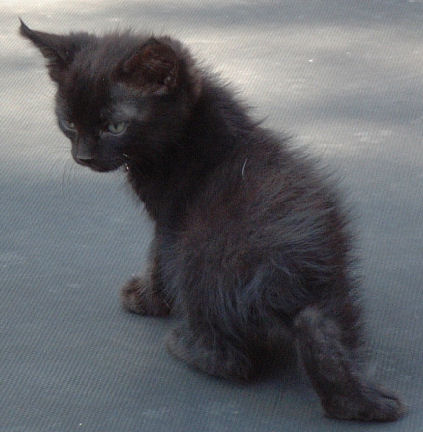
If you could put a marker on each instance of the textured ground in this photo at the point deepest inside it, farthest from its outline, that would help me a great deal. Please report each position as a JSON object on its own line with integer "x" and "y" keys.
{"x": 344, "y": 76}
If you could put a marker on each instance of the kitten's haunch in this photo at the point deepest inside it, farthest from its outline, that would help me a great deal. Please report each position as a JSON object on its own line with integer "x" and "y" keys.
{"x": 251, "y": 240}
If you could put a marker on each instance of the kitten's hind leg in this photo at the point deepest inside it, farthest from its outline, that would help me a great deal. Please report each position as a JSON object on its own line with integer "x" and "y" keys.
{"x": 211, "y": 354}
{"x": 335, "y": 373}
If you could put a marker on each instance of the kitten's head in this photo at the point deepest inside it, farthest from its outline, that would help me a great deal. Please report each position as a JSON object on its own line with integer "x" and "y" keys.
{"x": 120, "y": 97}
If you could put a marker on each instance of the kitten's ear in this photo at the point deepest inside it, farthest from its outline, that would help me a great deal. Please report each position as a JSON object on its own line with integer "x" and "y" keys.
{"x": 57, "y": 49}
{"x": 154, "y": 66}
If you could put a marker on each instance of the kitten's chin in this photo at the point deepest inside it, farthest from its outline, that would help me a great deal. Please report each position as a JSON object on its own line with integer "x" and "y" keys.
{"x": 103, "y": 169}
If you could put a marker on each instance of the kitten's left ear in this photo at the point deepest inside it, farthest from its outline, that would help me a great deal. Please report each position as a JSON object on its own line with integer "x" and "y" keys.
{"x": 57, "y": 49}
{"x": 153, "y": 67}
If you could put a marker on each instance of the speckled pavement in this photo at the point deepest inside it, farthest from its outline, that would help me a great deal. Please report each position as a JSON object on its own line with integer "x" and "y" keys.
{"x": 344, "y": 77}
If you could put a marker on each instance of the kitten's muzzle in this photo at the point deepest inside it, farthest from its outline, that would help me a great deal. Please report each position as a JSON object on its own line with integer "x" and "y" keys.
{"x": 97, "y": 164}
{"x": 83, "y": 153}
{"x": 84, "y": 157}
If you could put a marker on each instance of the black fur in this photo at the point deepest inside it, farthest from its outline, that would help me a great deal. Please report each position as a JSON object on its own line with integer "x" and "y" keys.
{"x": 251, "y": 241}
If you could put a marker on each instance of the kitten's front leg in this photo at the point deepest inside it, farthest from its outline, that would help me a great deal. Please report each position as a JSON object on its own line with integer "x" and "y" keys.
{"x": 144, "y": 294}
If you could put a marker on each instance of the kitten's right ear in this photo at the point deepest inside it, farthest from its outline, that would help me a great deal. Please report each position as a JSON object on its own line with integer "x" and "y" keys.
{"x": 57, "y": 49}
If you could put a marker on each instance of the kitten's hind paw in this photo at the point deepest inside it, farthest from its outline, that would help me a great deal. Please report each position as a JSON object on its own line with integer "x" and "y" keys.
{"x": 137, "y": 296}
{"x": 218, "y": 359}
{"x": 375, "y": 405}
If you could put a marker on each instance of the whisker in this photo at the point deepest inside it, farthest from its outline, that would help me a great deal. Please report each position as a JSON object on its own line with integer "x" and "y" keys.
{"x": 63, "y": 179}
{"x": 67, "y": 172}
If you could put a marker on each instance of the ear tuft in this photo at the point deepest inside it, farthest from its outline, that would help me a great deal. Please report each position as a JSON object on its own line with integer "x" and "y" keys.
{"x": 154, "y": 65}
{"x": 57, "y": 49}
{"x": 51, "y": 45}
{"x": 24, "y": 29}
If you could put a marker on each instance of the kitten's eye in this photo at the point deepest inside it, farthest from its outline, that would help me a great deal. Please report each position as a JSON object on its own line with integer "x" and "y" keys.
{"x": 70, "y": 126}
{"x": 117, "y": 128}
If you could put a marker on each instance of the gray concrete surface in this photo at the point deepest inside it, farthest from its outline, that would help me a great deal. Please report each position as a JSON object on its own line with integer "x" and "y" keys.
{"x": 344, "y": 76}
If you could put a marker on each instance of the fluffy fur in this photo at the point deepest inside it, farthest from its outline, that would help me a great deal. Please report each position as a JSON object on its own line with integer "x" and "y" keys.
{"x": 251, "y": 242}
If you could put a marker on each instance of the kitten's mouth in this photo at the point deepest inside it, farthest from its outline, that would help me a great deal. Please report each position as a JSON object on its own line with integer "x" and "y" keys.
{"x": 103, "y": 166}
{"x": 102, "y": 169}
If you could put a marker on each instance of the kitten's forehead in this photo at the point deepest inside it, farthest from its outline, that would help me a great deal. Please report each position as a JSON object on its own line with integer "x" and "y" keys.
{"x": 90, "y": 101}
{"x": 125, "y": 111}
{"x": 89, "y": 91}
{"x": 125, "y": 104}
{"x": 83, "y": 95}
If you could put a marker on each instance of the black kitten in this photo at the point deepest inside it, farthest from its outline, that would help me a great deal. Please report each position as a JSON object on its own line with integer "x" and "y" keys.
{"x": 250, "y": 240}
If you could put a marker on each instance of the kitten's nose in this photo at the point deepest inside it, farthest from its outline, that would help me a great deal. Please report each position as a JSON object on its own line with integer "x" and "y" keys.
{"x": 85, "y": 157}
{"x": 84, "y": 154}
{"x": 84, "y": 145}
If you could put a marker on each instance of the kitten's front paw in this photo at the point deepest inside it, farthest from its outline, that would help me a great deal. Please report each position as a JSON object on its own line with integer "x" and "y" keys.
{"x": 137, "y": 296}
{"x": 376, "y": 405}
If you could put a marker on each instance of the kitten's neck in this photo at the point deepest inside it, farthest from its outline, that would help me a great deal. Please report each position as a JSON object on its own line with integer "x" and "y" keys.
{"x": 216, "y": 127}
